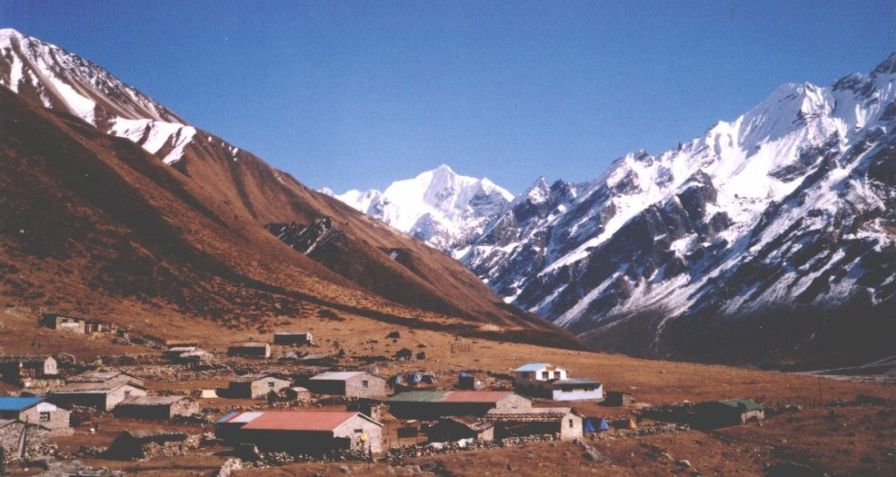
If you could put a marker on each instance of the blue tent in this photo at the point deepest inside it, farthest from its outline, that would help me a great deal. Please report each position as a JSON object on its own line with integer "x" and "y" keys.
{"x": 603, "y": 425}
{"x": 588, "y": 428}
{"x": 415, "y": 378}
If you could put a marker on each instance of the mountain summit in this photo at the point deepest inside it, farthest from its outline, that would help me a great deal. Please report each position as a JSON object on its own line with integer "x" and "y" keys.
{"x": 440, "y": 207}
{"x": 762, "y": 237}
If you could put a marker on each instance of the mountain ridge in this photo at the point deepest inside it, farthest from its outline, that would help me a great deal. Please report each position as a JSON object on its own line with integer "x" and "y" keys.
{"x": 235, "y": 190}
{"x": 788, "y": 206}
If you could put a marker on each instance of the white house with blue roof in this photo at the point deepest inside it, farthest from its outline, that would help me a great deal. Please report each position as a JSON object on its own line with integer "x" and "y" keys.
{"x": 37, "y": 411}
{"x": 547, "y": 381}
{"x": 534, "y": 373}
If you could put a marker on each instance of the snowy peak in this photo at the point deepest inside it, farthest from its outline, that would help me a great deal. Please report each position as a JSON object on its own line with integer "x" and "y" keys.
{"x": 786, "y": 204}
{"x": 51, "y": 76}
{"x": 439, "y": 206}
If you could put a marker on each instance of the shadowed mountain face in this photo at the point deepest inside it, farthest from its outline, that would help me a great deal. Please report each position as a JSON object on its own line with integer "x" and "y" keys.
{"x": 121, "y": 198}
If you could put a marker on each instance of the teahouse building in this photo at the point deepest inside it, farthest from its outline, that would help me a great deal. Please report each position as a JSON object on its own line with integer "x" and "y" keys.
{"x": 562, "y": 421}
{"x": 255, "y": 386}
{"x": 437, "y": 404}
{"x": 547, "y": 381}
{"x": 303, "y": 432}
{"x": 352, "y": 384}
{"x": 100, "y": 395}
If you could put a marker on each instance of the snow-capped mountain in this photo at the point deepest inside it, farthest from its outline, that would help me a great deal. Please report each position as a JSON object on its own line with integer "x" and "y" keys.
{"x": 783, "y": 214}
{"x": 792, "y": 203}
{"x": 57, "y": 79}
{"x": 440, "y": 207}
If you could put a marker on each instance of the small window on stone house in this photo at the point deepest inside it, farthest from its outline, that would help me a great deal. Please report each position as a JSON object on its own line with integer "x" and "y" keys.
{"x": 127, "y": 394}
{"x": 364, "y": 383}
{"x": 45, "y": 417}
{"x": 570, "y": 423}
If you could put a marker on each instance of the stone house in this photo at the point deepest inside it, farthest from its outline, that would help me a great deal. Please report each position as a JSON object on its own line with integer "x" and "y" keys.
{"x": 255, "y": 386}
{"x": 100, "y": 395}
{"x": 303, "y": 432}
{"x": 437, "y": 404}
{"x": 157, "y": 407}
{"x": 72, "y": 324}
{"x": 250, "y": 350}
{"x": 618, "y": 398}
{"x": 352, "y": 384}
{"x": 17, "y": 369}
{"x": 108, "y": 377}
{"x": 36, "y": 411}
{"x": 730, "y": 412}
{"x": 291, "y": 338}
{"x": 455, "y": 428}
{"x": 562, "y": 421}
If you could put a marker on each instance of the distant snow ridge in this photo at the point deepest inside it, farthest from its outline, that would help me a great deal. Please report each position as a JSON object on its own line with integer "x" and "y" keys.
{"x": 440, "y": 207}
{"x": 792, "y": 202}
{"x": 63, "y": 81}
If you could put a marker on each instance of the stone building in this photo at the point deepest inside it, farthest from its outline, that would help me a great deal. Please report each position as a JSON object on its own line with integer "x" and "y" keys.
{"x": 100, "y": 395}
{"x": 157, "y": 407}
{"x": 437, "y": 404}
{"x": 303, "y": 432}
{"x": 538, "y": 420}
{"x": 253, "y": 386}
{"x": 250, "y": 350}
{"x": 352, "y": 384}
{"x": 293, "y": 338}
{"x": 17, "y": 369}
{"x": 36, "y": 411}
{"x": 455, "y": 428}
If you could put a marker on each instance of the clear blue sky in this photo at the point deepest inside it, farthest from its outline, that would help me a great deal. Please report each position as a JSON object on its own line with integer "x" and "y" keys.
{"x": 357, "y": 94}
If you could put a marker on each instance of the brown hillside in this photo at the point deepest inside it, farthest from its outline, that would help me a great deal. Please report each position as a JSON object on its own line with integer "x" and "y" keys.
{"x": 91, "y": 221}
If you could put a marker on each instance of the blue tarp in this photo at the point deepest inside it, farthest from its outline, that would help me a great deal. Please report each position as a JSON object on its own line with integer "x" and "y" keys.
{"x": 603, "y": 425}
{"x": 15, "y": 404}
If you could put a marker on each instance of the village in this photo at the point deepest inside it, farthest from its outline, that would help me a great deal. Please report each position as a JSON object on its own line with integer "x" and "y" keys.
{"x": 285, "y": 401}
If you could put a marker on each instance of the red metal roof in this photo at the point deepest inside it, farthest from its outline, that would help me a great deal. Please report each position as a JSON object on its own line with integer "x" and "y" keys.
{"x": 476, "y": 396}
{"x": 299, "y": 420}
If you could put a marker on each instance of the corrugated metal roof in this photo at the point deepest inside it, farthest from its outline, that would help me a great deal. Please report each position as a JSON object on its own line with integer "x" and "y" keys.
{"x": 562, "y": 383}
{"x": 153, "y": 400}
{"x": 741, "y": 403}
{"x": 336, "y": 375}
{"x": 105, "y": 387}
{"x": 476, "y": 396}
{"x": 419, "y": 396}
{"x": 242, "y": 417}
{"x": 226, "y": 417}
{"x": 246, "y": 378}
{"x": 18, "y": 403}
{"x": 299, "y": 420}
{"x": 532, "y": 367}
